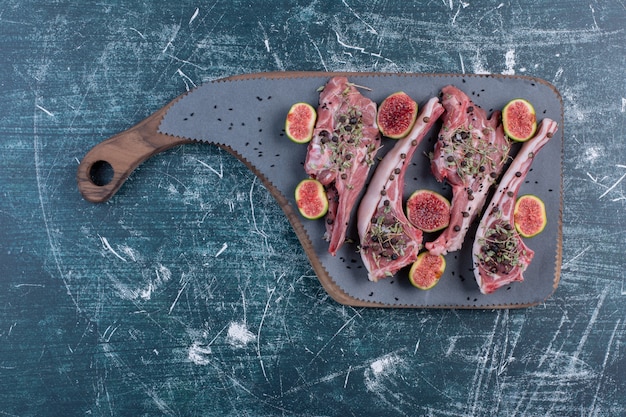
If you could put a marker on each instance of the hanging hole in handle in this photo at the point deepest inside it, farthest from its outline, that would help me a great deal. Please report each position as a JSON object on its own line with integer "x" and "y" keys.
{"x": 101, "y": 173}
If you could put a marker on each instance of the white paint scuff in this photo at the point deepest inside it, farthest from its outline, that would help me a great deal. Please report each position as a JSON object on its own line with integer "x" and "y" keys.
{"x": 359, "y": 49}
{"x": 592, "y": 153}
{"x": 380, "y": 370}
{"x": 239, "y": 335}
{"x": 478, "y": 65}
{"x": 186, "y": 80}
{"x": 184, "y": 282}
{"x": 199, "y": 354}
{"x": 144, "y": 292}
{"x": 163, "y": 275}
{"x": 195, "y": 14}
{"x": 48, "y": 112}
{"x": 219, "y": 173}
{"x": 107, "y": 246}
{"x": 509, "y": 62}
{"x": 130, "y": 252}
{"x": 381, "y": 365}
{"x": 558, "y": 74}
{"x": 370, "y": 28}
{"x": 222, "y": 249}
{"x": 608, "y": 190}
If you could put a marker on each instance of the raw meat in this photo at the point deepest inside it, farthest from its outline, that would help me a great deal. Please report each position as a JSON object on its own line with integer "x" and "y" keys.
{"x": 469, "y": 154}
{"x": 388, "y": 242}
{"x": 344, "y": 144}
{"x": 499, "y": 254}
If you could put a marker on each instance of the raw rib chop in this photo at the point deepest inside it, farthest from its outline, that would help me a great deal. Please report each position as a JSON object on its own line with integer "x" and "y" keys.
{"x": 344, "y": 144}
{"x": 499, "y": 254}
{"x": 388, "y": 241}
{"x": 469, "y": 154}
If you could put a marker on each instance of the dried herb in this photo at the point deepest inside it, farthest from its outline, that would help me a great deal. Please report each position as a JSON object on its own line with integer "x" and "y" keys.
{"x": 346, "y": 137}
{"x": 470, "y": 154}
{"x": 388, "y": 239}
{"x": 500, "y": 247}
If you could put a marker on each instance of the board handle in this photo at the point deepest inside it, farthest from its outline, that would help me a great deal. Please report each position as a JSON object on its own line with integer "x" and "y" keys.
{"x": 107, "y": 165}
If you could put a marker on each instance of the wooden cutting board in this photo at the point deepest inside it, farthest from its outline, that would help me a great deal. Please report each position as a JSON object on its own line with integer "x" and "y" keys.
{"x": 245, "y": 115}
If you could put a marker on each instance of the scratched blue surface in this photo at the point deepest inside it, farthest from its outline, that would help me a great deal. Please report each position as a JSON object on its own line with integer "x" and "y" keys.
{"x": 188, "y": 293}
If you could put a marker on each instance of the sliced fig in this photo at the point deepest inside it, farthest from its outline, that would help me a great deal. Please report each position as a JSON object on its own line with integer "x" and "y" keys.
{"x": 428, "y": 210}
{"x": 311, "y": 199}
{"x": 529, "y": 215}
{"x": 396, "y": 115}
{"x": 300, "y": 122}
{"x": 519, "y": 120}
{"x": 426, "y": 270}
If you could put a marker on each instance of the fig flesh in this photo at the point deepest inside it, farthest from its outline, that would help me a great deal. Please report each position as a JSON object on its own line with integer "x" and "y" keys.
{"x": 311, "y": 199}
{"x": 519, "y": 120}
{"x": 396, "y": 115}
{"x": 300, "y": 122}
{"x": 426, "y": 270}
{"x": 428, "y": 210}
{"x": 529, "y": 215}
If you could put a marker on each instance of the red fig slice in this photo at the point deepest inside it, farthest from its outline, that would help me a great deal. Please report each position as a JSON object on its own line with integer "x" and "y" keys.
{"x": 300, "y": 122}
{"x": 529, "y": 215}
{"x": 519, "y": 120}
{"x": 426, "y": 270}
{"x": 428, "y": 211}
{"x": 396, "y": 115}
{"x": 311, "y": 199}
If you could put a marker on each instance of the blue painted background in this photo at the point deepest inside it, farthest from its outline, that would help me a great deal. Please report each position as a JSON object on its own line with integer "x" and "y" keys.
{"x": 188, "y": 293}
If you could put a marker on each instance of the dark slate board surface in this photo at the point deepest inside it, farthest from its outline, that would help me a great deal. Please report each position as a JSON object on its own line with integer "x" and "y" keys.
{"x": 248, "y": 116}
{"x": 189, "y": 294}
